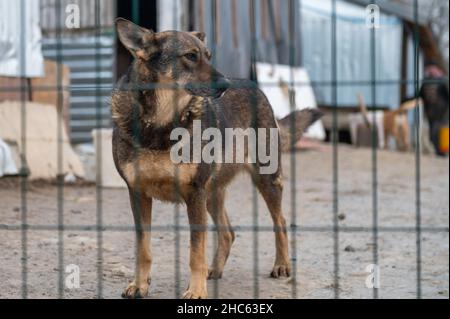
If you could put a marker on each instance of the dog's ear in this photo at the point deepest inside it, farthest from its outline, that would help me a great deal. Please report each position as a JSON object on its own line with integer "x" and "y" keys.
{"x": 134, "y": 37}
{"x": 199, "y": 35}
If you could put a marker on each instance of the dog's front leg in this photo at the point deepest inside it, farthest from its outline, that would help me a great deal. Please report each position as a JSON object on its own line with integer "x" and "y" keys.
{"x": 196, "y": 207}
{"x": 142, "y": 213}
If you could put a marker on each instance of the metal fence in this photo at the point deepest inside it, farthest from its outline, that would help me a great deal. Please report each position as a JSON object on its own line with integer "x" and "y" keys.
{"x": 296, "y": 225}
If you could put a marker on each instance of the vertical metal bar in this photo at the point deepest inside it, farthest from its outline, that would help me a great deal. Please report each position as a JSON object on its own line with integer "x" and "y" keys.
{"x": 335, "y": 140}
{"x": 274, "y": 24}
{"x": 135, "y": 199}
{"x": 373, "y": 59}
{"x": 23, "y": 152}
{"x": 135, "y": 194}
{"x": 177, "y": 235}
{"x": 417, "y": 121}
{"x": 214, "y": 34}
{"x": 234, "y": 24}
{"x": 275, "y": 5}
{"x": 201, "y": 15}
{"x": 99, "y": 191}
{"x": 254, "y": 192}
{"x": 135, "y": 10}
{"x": 299, "y": 52}
{"x": 177, "y": 243}
{"x": 292, "y": 54}
{"x": 177, "y": 184}
{"x": 264, "y": 19}
{"x": 217, "y": 21}
{"x": 60, "y": 173}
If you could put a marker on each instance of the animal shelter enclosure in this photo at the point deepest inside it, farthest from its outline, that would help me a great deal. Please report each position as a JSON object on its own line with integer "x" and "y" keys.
{"x": 368, "y": 220}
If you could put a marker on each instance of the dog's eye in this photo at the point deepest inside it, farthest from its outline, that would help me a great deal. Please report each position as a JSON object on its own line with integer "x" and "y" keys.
{"x": 191, "y": 57}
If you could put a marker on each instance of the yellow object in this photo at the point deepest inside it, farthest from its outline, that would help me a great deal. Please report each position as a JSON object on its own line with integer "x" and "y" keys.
{"x": 444, "y": 139}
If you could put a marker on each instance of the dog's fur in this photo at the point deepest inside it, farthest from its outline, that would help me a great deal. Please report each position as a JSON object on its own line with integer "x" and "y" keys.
{"x": 395, "y": 123}
{"x": 143, "y": 120}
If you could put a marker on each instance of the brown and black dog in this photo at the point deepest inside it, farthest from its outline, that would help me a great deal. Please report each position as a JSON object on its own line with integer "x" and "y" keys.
{"x": 178, "y": 63}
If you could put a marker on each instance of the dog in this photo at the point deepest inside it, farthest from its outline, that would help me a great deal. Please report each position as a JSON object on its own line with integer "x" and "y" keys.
{"x": 178, "y": 65}
{"x": 395, "y": 124}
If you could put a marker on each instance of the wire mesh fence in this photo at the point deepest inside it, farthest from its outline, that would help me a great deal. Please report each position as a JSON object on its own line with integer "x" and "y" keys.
{"x": 94, "y": 8}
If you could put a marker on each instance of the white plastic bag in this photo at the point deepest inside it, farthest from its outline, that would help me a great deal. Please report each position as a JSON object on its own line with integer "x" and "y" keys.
{"x": 7, "y": 165}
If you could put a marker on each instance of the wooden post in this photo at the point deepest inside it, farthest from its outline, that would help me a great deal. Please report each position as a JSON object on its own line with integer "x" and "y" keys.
{"x": 404, "y": 62}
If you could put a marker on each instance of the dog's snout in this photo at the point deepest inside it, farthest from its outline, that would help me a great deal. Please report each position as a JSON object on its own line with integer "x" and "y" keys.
{"x": 213, "y": 84}
{"x": 221, "y": 84}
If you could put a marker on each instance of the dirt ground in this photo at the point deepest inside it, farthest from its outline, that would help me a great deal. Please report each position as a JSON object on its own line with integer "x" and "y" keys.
{"x": 315, "y": 259}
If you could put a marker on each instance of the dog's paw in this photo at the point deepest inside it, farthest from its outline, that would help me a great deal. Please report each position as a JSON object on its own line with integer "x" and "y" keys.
{"x": 214, "y": 274}
{"x": 135, "y": 292}
{"x": 280, "y": 271}
{"x": 192, "y": 294}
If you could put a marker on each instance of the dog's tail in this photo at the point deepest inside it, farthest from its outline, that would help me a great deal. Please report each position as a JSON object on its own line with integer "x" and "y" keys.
{"x": 363, "y": 110}
{"x": 409, "y": 105}
{"x": 294, "y": 125}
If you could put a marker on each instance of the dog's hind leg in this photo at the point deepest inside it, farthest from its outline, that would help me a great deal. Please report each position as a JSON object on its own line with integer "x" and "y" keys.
{"x": 216, "y": 209}
{"x": 142, "y": 213}
{"x": 271, "y": 188}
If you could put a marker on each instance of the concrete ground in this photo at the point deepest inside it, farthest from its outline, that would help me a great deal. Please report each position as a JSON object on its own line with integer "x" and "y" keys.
{"x": 314, "y": 240}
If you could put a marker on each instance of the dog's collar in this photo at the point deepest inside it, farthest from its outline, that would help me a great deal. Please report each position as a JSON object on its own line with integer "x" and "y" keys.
{"x": 187, "y": 115}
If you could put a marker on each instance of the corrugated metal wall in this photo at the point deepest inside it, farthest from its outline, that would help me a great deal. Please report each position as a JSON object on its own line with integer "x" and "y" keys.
{"x": 78, "y": 51}
{"x": 80, "y": 55}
